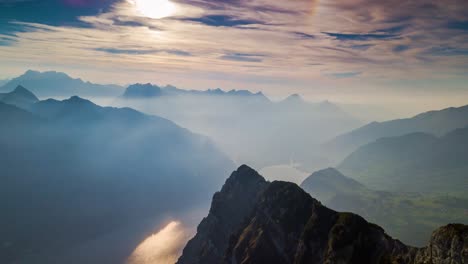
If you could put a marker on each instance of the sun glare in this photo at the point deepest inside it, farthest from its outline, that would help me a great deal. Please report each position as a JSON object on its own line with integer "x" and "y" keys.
{"x": 155, "y": 8}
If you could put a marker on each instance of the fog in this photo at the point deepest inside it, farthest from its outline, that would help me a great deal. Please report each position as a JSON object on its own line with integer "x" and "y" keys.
{"x": 252, "y": 129}
{"x": 284, "y": 172}
{"x": 74, "y": 173}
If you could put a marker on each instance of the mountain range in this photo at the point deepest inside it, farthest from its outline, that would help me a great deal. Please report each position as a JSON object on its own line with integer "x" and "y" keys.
{"x": 408, "y": 216}
{"x": 254, "y": 221}
{"x": 59, "y": 85}
{"x": 416, "y": 162}
{"x": 73, "y": 172}
{"x": 237, "y": 119}
{"x": 436, "y": 123}
{"x": 151, "y": 91}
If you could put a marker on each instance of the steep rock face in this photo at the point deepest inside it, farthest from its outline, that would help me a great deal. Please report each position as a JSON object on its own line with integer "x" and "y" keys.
{"x": 283, "y": 224}
{"x": 448, "y": 245}
{"x": 229, "y": 208}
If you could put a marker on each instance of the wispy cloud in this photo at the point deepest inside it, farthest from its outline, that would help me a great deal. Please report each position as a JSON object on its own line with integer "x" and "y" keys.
{"x": 341, "y": 75}
{"x": 223, "y": 21}
{"x": 243, "y": 57}
{"x": 298, "y": 42}
{"x": 143, "y": 51}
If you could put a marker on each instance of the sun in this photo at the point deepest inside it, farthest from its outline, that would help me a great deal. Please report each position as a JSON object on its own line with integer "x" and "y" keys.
{"x": 155, "y": 8}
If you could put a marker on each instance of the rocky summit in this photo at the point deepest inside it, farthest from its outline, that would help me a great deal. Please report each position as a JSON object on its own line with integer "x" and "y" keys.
{"x": 255, "y": 221}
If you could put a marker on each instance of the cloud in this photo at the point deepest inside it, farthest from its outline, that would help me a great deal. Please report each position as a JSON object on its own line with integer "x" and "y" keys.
{"x": 143, "y": 51}
{"x": 401, "y": 48}
{"x": 222, "y": 21}
{"x": 360, "y": 37}
{"x": 458, "y": 25}
{"x": 446, "y": 51}
{"x": 243, "y": 57}
{"x": 304, "y": 35}
{"x": 240, "y": 42}
{"x": 51, "y": 12}
{"x": 342, "y": 75}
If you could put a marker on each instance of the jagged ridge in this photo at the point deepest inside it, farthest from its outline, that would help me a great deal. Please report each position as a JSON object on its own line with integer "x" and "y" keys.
{"x": 253, "y": 221}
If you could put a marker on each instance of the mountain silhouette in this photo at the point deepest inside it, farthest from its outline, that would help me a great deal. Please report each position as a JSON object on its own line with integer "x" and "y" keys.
{"x": 148, "y": 91}
{"x": 433, "y": 122}
{"x": 20, "y": 97}
{"x": 254, "y": 221}
{"x": 58, "y": 84}
{"x": 73, "y": 171}
{"x": 416, "y": 162}
{"x": 410, "y": 217}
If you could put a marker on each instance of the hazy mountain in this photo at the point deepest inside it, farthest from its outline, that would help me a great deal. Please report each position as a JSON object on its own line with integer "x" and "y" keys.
{"x": 11, "y": 115}
{"x": 2, "y": 82}
{"x": 237, "y": 120}
{"x": 20, "y": 97}
{"x": 415, "y": 162}
{"x": 254, "y": 221}
{"x": 434, "y": 122}
{"x": 325, "y": 184}
{"x": 142, "y": 91}
{"x": 73, "y": 172}
{"x": 149, "y": 91}
{"x": 410, "y": 217}
{"x": 58, "y": 84}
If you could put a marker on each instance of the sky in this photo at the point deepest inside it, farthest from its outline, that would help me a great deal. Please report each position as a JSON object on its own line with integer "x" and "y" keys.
{"x": 392, "y": 52}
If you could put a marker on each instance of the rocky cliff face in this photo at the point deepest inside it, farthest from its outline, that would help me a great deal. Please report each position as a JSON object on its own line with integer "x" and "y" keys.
{"x": 254, "y": 221}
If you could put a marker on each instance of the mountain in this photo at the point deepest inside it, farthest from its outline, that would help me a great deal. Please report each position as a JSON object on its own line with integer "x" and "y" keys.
{"x": 20, "y": 97}
{"x": 75, "y": 172}
{"x": 149, "y": 91}
{"x": 416, "y": 162}
{"x": 280, "y": 223}
{"x": 136, "y": 91}
{"x": 2, "y": 82}
{"x": 282, "y": 131}
{"x": 58, "y": 84}
{"x": 13, "y": 116}
{"x": 325, "y": 184}
{"x": 434, "y": 122}
{"x": 410, "y": 217}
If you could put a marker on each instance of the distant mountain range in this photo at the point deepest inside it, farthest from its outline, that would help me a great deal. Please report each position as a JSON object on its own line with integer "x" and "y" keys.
{"x": 150, "y": 91}
{"x": 233, "y": 119}
{"x": 73, "y": 171}
{"x": 236, "y": 120}
{"x": 252, "y": 221}
{"x": 437, "y": 123}
{"x": 410, "y": 217}
{"x": 416, "y": 162}
{"x": 58, "y": 84}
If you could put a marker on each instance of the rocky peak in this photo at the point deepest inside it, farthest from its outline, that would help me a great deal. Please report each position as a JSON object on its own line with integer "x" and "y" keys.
{"x": 229, "y": 208}
{"x": 252, "y": 221}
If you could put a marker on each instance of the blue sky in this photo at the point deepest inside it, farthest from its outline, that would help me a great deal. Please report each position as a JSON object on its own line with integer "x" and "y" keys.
{"x": 354, "y": 51}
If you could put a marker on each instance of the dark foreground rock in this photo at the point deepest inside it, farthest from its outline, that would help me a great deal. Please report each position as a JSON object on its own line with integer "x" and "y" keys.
{"x": 254, "y": 221}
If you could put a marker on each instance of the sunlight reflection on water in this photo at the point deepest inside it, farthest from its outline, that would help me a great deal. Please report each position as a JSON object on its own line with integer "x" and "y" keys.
{"x": 164, "y": 247}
